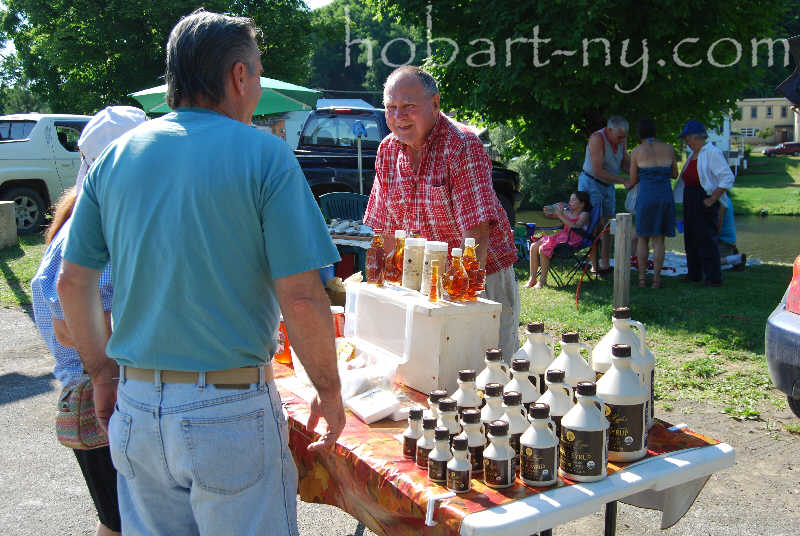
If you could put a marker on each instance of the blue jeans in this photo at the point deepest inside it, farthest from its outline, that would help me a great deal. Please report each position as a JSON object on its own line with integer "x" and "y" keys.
{"x": 201, "y": 460}
{"x": 599, "y": 194}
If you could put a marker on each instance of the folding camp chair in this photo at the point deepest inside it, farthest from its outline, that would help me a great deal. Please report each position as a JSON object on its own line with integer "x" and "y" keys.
{"x": 568, "y": 261}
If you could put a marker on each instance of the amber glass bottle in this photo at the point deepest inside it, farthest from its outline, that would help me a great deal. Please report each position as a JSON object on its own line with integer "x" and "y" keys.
{"x": 376, "y": 259}
{"x": 434, "y": 293}
{"x": 455, "y": 281}
{"x": 394, "y": 260}
{"x": 475, "y": 275}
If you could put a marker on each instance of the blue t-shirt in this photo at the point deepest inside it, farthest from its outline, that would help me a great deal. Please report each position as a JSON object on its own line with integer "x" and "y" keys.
{"x": 727, "y": 233}
{"x": 199, "y": 214}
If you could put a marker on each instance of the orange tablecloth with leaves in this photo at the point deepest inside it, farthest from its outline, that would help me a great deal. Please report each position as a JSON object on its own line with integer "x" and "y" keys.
{"x": 367, "y": 476}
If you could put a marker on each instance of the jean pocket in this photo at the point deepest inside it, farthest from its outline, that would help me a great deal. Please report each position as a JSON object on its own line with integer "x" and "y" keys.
{"x": 227, "y": 453}
{"x": 119, "y": 436}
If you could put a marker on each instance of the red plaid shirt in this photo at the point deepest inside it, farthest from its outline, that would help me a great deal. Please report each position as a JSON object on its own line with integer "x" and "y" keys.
{"x": 452, "y": 194}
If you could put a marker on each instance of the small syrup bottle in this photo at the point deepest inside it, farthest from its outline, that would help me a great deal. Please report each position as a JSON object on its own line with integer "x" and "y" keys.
{"x": 516, "y": 419}
{"x": 433, "y": 296}
{"x": 495, "y": 371}
{"x": 433, "y": 402}
{"x": 448, "y": 416}
{"x": 394, "y": 260}
{"x": 521, "y": 383}
{"x": 558, "y": 397}
{"x": 439, "y": 456}
{"x": 539, "y": 444}
{"x": 583, "y": 445}
{"x": 493, "y": 410}
{"x": 466, "y": 396}
{"x": 376, "y": 259}
{"x": 476, "y": 440}
{"x": 498, "y": 458}
{"x": 459, "y": 469}
{"x": 455, "y": 280}
{"x": 412, "y": 433}
{"x": 425, "y": 443}
{"x": 473, "y": 268}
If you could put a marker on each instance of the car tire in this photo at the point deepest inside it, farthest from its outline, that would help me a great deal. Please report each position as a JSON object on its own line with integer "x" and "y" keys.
{"x": 796, "y": 153}
{"x": 29, "y": 208}
{"x": 770, "y": 155}
{"x": 794, "y": 404}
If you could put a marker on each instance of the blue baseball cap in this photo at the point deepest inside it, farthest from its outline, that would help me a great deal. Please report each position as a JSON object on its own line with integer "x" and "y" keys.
{"x": 693, "y": 127}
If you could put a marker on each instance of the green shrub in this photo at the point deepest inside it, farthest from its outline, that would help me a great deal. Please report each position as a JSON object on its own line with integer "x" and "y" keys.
{"x": 544, "y": 183}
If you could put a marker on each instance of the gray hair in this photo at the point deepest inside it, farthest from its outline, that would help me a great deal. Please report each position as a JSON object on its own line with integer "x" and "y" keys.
{"x": 699, "y": 136}
{"x": 617, "y": 121}
{"x": 201, "y": 49}
{"x": 425, "y": 79}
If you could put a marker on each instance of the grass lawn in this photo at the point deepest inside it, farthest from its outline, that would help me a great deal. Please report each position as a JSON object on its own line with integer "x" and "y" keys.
{"x": 18, "y": 265}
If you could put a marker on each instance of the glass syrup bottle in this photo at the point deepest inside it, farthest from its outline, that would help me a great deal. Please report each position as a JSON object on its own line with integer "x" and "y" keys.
{"x": 517, "y": 421}
{"x": 558, "y": 397}
{"x": 493, "y": 410}
{"x": 538, "y": 349}
{"x": 583, "y": 445}
{"x": 425, "y": 443}
{"x": 473, "y": 268}
{"x": 448, "y": 416}
{"x": 412, "y": 434}
{"x": 459, "y": 469}
{"x": 394, "y": 259}
{"x": 433, "y": 295}
{"x": 495, "y": 371}
{"x": 476, "y": 438}
{"x": 521, "y": 383}
{"x": 498, "y": 458}
{"x": 439, "y": 456}
{"x": 466, "y": 396}
{"x": 376, "y": 259}
{"x": 455, "y": 280}
{"x": 539, "y": 449}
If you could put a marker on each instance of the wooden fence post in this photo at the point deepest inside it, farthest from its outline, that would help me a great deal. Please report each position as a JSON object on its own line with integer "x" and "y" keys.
{"x": 8, "y": 225}
{"x": 622, "y": 260}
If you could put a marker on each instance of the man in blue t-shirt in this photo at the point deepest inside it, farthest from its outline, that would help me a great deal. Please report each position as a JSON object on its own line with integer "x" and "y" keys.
{"x": 210, "y": 228}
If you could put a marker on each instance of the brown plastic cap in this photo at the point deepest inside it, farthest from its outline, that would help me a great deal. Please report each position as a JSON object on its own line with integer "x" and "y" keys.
{"x": 555, "y": 376}
{"x": 494, "y": 354}
{"x": 498, "y": 428}
{"x": 493, "y": 389}
{"x": 447, "y": 404}
{"x": 535, "y": 327}
{"x": 415, "y": 414}
{"x": 512, "y": 398}
{"x": 569, "y": 336}
{"x": 429, "y": 423}
{"x": 621, "y": 350}
{"x": 437, "y": 395}
{"x": 467, "y": 375}
{"x": 520, "y": 365}
{"x": 460, "y": 443}
{"x": 540, "y": 411}
{"x": 471, "y": 416}
{"x": 441, "y": 433}
{"x": 621, "y": 312}
{"x": 587, "y": 388}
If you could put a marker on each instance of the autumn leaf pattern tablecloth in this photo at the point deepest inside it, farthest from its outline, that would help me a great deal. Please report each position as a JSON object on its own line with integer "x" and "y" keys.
{"x": 367, "y": 476}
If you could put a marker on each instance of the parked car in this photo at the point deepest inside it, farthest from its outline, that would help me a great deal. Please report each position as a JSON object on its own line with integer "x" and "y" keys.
{"x": 39, "y": 159}
{"x": 789, "y": 147}
{"x": 783, "y": 342}
{"x": 328, "y": 154}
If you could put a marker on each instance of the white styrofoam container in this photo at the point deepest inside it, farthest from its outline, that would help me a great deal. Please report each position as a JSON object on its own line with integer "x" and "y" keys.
{"x": 432, "y": 341}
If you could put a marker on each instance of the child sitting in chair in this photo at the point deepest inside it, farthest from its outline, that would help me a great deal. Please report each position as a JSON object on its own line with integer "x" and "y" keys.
{"x": 575, "y": 214}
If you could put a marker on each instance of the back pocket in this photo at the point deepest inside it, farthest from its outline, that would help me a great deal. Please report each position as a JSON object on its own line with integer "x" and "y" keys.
{"x": 119, "y": 435}
{"x": 227, "y": 453}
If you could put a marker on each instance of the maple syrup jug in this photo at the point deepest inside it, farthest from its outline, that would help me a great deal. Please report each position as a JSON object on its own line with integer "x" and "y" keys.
{"x": 583, "y": 445}
{"x": 539, "y": 449}
{"x": 538, "y": 350}
{"x": 571, "y": 361}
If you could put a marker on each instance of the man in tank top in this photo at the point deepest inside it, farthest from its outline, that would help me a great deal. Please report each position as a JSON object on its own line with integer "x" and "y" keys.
{"x": 606, "y": 157}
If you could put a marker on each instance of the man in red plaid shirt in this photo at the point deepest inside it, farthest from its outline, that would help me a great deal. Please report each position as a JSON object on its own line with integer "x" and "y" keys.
{"x": 434, "y": 175}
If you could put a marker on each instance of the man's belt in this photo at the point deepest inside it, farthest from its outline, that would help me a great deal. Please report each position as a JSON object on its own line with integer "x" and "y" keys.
{"x": 596, "y": 179}
{"x": 235, "y": 376}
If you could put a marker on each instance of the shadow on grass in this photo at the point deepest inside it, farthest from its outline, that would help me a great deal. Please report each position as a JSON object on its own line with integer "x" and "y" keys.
{"x": 776, "y": 172}
{"x": 727, "y": 318}
{"x": 6, "y": 255}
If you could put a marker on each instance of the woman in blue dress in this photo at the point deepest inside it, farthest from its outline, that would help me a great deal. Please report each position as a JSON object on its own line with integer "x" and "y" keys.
{"x": 653, "y": 167}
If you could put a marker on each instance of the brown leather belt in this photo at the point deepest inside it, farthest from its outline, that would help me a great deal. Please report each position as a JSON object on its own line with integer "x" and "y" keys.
{"x": 235, "y": 376}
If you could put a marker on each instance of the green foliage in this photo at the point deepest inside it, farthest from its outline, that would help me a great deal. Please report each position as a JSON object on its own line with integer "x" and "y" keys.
{"x": 766, "y": 133}
{"x": 559, "y": 104}
{"x": 330, "y": 68}
{"x": 82, "y": 55}
{"x": 15, "y": 94}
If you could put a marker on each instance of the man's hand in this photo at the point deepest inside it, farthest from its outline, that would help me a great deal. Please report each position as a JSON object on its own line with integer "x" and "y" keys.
{"x": 105, "y": 396}
{"x": 332, "y": 410}
{"x": 709, "y": 201}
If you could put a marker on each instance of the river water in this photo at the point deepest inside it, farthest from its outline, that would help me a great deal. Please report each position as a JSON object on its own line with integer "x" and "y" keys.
{"x": 769, "y": 239}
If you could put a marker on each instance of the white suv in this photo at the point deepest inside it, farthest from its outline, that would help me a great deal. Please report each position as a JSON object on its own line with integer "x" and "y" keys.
{"x": 39, "y": 159}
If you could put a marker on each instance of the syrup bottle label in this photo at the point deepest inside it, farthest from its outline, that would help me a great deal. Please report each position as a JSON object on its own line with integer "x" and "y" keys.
{"x": 557, "y": 422}
{"x": 652, "y": 396}
{"x": 422, "y": 457}
{"x": 476, "y": 458}
{"x": 627, "y": 431}
{"x": 538, "y": 465}
{"x": 582, "y": 452}
{"x": 409, "y": 447}
{"x": 513, "y": 442}
{"x": 497, "y": 472}
{"x": 458, "y": 481}
{"x": 597, "y": 376}
{"x": 437, "y": 470}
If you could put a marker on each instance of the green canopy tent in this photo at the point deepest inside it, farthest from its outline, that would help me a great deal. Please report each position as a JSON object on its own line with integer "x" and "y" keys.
{"x": 277, "y": 97}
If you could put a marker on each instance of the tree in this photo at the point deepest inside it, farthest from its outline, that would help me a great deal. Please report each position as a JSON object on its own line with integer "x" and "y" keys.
{"x": 335, "y": 66}
{"x": 557, "y": 70}
{"x": 15, "y": 94}
{"x": 82, "y": 55}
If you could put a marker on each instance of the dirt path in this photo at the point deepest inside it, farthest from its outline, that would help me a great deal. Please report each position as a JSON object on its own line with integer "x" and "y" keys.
{"x": 760, "y": 495}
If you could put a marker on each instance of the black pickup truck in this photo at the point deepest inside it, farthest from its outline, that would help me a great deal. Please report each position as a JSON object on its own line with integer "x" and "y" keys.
{"x": 328, "y": 154}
